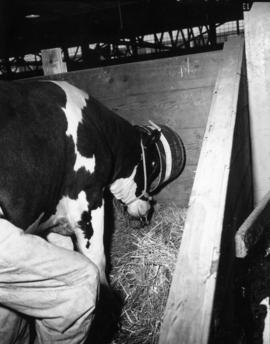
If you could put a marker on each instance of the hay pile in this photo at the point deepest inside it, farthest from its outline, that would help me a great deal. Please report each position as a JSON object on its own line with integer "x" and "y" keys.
{"x": 142, "y": 262}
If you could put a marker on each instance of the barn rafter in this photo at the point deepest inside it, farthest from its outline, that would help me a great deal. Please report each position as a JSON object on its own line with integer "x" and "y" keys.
{"x": 93, "y": 33}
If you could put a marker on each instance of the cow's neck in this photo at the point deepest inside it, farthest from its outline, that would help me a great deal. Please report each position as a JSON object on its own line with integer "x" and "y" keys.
{"x": 123, "y": 141}
{"x": 126, "y": 152}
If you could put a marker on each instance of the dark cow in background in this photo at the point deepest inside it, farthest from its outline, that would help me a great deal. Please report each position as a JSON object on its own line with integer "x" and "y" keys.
{"x": 60, "y": 148}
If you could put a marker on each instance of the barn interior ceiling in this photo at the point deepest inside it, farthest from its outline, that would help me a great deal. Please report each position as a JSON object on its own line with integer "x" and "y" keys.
{"x": 27, "y": 26}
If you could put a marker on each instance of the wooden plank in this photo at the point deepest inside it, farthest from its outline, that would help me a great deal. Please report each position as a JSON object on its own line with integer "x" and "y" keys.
{"x": 192, "y": 139}
{"x": 257, "y": 33}
{"x": 52, "y": 62}
{"x": 146, "y": 77}
{"x": 189, "y": 309}
{"x": 178, "y": 191}
{"x": 176, "y": 108}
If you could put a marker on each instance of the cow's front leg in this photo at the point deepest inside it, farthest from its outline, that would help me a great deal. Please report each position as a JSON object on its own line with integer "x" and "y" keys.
{"x": 73, "y": 216}
{"x": 93, "y": 247}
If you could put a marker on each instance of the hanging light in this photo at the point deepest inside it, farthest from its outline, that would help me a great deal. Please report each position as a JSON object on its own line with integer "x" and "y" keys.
{"x": 32, "y": 16}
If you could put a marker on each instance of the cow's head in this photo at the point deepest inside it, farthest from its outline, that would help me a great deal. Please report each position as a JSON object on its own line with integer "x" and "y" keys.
{"x": 162, "y": 159}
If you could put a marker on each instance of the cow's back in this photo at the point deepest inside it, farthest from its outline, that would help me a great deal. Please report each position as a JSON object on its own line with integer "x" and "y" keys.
{"x": 33, "y": 147}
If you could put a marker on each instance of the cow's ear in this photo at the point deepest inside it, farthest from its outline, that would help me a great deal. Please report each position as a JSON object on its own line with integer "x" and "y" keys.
{"x": 152, "y": 138}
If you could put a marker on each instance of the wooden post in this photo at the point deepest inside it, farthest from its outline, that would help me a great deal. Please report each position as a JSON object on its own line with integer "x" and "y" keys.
{"x": 52, "y": 62}
{"x": 189, "y": 308}
{"x": 257, "y": 42}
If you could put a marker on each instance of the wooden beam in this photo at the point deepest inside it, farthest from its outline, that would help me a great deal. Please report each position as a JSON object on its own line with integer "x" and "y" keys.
{"x": 52, "y": 62}
{"x": 257, "y": 33}
{"x": 188, "y": 312}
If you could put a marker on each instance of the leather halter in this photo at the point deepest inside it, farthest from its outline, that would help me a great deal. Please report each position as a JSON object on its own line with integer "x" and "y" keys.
{"x": 144, "y": 193}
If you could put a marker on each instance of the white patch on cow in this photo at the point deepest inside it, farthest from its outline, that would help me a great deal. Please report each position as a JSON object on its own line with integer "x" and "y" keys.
{"x": 168, "y": 156}
{"x": 67, "y": 209}
{"x": 1, "y": 212}
{"x": 76, "y": 101}
{"x": 125, "y": 190}
{"x": 71, "y": 209}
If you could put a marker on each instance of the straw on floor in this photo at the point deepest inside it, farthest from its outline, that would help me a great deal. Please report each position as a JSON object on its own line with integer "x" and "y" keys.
{"x": 142, "y": 263}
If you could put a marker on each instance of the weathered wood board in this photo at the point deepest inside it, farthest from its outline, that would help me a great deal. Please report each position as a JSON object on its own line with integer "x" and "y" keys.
{"x": 215, "y": 209}
{"x": 174, "y": 91}
{"x": 257, "y": 42}
{"x": 52, "y": 61}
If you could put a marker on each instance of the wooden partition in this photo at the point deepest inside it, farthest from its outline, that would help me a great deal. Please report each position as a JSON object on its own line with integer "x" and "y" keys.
{"x": 257, "y": 41}
{"x": 221, "y": 197}
{"x": 174, "y": 91}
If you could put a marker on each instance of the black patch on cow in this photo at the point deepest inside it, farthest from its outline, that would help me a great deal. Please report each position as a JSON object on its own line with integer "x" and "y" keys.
{"x": 32, "y": 155}
{"x": 86, "y": 226}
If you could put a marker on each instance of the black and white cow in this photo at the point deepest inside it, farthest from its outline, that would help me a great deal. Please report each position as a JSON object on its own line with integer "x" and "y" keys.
{"x": 59, "y": 149}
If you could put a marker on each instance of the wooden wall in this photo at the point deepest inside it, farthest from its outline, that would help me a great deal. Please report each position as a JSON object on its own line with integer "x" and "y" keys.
{"x": 219, "y": 201}
{"x": 174, "y": 91}
{"x": 257, "y": 33}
